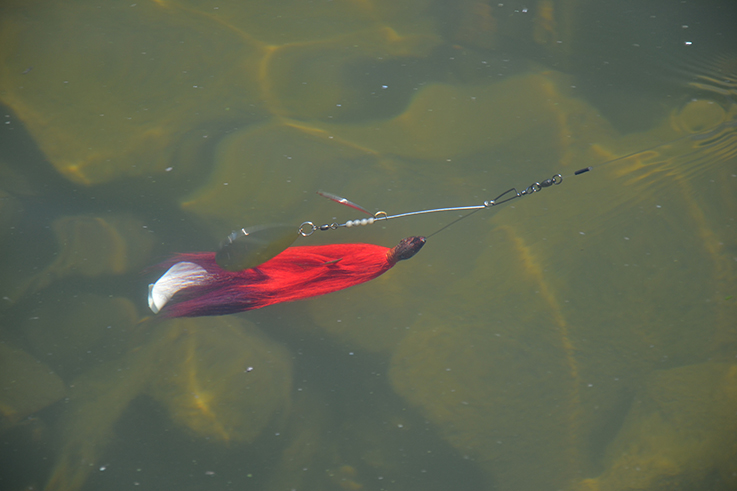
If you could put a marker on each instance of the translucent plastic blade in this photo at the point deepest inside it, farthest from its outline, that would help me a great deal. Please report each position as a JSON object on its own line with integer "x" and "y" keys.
{"x": 249, "y": 247}
{"x": 344, "y": 201}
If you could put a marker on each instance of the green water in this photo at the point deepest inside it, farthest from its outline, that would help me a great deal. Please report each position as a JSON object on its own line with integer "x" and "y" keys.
{"x": 581, "y": 338}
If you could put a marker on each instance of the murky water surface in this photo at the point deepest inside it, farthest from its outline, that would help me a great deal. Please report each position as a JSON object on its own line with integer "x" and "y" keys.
{"x": 579, "y": 338}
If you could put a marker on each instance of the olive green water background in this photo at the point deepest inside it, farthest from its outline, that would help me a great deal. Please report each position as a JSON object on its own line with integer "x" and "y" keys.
{"x": 581, "y": 338}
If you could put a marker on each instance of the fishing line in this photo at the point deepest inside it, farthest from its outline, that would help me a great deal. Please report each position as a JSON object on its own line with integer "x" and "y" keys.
{"x": 308, "y": 228}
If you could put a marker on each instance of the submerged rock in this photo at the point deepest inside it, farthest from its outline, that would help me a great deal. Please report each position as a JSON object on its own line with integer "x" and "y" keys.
{"x": 225, "y": 379}
{"x": 26, "y": 386}
{"x": 219, "y": 378}
{"x": 679, "y": 434}
{"x": 92, "y": 246}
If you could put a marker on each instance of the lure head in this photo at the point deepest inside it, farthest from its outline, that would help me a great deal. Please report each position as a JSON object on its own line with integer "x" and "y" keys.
{"x": 406, "y": 248}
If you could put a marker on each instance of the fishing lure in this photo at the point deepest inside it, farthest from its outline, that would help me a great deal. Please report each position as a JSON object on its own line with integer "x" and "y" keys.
{"x": 194, "y": 284}
{"x": 256, "y": 267}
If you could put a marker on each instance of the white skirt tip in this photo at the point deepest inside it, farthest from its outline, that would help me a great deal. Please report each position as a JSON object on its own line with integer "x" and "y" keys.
{"x": 178, "y": 277}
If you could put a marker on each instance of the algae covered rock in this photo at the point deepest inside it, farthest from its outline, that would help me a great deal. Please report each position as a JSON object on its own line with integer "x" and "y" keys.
{"x": 110, "y": 90}
{"x": 502, "y": 389}
{"x": 26, "y": 385}
{"x": 679, "y": 434}
{"x": 225, "y": 379}
{"x": 217, "y": 377}
{"x": 76, "y": 334}
{"x": 274, "y": 164}
{"x": 92, "y": 246}
{"x": 446, "y": 121}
